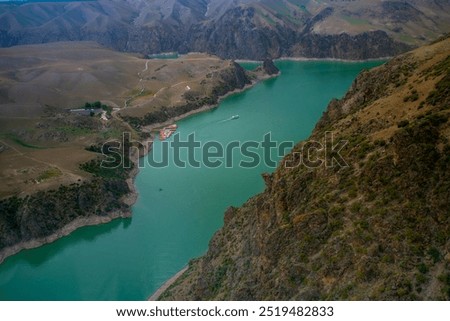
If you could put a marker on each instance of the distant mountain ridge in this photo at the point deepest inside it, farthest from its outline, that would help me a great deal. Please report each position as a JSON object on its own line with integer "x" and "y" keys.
{"x": 245, "y": 29}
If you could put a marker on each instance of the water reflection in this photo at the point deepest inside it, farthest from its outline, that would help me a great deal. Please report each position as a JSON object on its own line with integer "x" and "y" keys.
{"x": 89, "y": 234}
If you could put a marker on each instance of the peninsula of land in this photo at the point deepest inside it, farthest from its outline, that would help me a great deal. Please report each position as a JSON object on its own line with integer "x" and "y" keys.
{"x": 81, "y": 99}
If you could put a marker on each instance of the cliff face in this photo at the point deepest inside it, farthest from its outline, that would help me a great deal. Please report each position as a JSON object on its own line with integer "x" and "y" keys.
{"x": 377, "y": 229}
{"x": 39, "y": 215}
{"x": 243, "y": 29}
{"x": 238, "y": 34}
{"x": 268, "y": 67}
{"x": 366, "y": 45}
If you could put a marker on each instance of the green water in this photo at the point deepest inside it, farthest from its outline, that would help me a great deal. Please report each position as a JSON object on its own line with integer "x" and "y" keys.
{"x": 168, "y": 55}
{"x": 178, "y": 209}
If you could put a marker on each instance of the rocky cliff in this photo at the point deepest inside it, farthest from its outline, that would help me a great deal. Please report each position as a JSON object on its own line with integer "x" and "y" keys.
{"x": 42, "y": 217}
{"x": 372, "y": 225}
{"x": 268, "y": 67}
{"x": 243, "y": 29}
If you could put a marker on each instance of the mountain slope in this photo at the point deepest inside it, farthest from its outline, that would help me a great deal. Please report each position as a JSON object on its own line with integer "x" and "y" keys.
{"x": 245, "y": 29}
{"x": 377, "y": 229}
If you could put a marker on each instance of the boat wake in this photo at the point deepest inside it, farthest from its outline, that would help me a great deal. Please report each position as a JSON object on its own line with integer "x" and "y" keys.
{"x": 214, "y": 123}
{"x": 229, "y": 119}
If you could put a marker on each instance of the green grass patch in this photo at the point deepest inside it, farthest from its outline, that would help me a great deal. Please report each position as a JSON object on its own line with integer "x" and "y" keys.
{"x": 20, "y": 142}
{"x": 74, "y": 131}
{"x": 407, "y": 39}
{"x": 300, "y": 4}
{"x": 114, "y": 164}
{"x": 355, "y": 21}
{"x": 111, "y": 133}
{"x": 278, "y": 6}
{"x": 48, "y": 174}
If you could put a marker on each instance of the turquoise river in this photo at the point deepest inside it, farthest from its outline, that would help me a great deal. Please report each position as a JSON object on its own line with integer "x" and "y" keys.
{"x": 179, "y": 209}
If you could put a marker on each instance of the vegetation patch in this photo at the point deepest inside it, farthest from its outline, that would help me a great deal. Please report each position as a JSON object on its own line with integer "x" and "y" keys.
{"x": 49, "y": 174}
{"x": 20, "y": 142}
{"x": 114, "y": 163}
{"x": 355, "y": 21}
{"x": 440, "y": 96}
{"x": 413, "y": 96}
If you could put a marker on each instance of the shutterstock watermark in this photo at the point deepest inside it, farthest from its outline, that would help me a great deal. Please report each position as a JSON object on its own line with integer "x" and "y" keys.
{"x": 315, "y": 154}
{"x": 190, "y": 152}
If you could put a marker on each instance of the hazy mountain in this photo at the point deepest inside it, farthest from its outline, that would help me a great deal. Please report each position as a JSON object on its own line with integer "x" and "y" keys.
{"x": 234, "y": 29}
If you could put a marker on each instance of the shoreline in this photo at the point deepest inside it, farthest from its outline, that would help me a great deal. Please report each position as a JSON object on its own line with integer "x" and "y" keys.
{"x": 155, "y": 296}
{"x": 315, "y": 59}
{"x": 64, "y": 231}
{"x": 129, "y": 199}
{"x": 173, "y": 279}
{"x": 331, "y": 59}
{"x": 156, "y": 126}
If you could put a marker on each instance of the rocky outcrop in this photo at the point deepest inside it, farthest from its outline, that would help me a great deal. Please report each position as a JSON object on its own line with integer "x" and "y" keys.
{"x": 28, "y": 222}
{"x": 376, "y": 229}
{"x": 269, "y": 67}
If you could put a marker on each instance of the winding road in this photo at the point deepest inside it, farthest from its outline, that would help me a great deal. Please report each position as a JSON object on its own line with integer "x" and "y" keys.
{"x": 140, "y": 82}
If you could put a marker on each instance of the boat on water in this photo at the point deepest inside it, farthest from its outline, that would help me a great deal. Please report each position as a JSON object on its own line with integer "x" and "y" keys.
{"x": 235, "y": 117}
{"x": 167, "y": 131}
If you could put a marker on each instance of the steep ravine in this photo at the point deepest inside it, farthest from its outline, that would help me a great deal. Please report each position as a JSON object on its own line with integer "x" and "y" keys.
{"x": 377, "y": 229}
